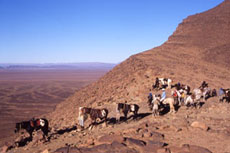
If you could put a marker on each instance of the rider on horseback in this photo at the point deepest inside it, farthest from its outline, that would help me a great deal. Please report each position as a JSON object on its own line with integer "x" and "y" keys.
{"x": 163, "y": 95}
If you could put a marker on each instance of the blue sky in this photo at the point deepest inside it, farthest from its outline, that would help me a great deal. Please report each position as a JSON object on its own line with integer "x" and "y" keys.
{"x": 69, "y": 31}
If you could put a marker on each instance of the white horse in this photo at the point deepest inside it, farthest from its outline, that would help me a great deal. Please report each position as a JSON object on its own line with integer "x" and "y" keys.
{"x": 171, "y": 102}
{"x": 165, "y": 81}
{"x": 201, "y": 93}
{"x": 191, "y": 100}
{"x": 194, "y": 99}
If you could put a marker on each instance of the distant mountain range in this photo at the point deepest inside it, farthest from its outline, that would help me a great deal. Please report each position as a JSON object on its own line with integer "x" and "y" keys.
{"x": 90, "y": 65}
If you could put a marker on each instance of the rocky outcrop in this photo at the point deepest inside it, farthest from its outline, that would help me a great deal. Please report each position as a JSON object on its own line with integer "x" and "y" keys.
{"x": 189, "y": 148}
{"x": 200, "y": 125}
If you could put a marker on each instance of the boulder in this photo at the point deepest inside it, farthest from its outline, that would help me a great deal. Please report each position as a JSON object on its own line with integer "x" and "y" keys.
{"x": 152, "y": 147}
{"x": 115, "y": 147}
{"x": 156, "y": 136}
{"x": 200, "y": 125}
{"x": 108, "y": 139}
{"x": 198, "y": 149}
{"x": 186, "y": 148}
{"x": 134, "y": 142}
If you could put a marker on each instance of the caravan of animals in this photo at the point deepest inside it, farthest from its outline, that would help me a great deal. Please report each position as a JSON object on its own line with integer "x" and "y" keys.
{"x": 180, "y": 96}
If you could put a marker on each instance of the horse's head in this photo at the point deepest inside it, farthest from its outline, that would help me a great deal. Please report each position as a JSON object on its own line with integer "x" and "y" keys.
{"x": 156, "y": 98}
{"x": 17, "y": 127}
{"x": 84, "y": 110}
{"x": 120, "y": 106}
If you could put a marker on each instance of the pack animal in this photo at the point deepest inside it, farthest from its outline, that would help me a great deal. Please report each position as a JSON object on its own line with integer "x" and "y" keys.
{"x": 192, "y": 100}
{"x": 177, "y": 95}
{"x": 165, "y": 82}
{"x": 155, "y": 105}
{"x": 186, "y": 89}
{"x": 33, "y": 124}
{"x": 171, "y": 102}
{"x": 202, "y": 93}
{"x": 126, "y": 108}
{"x": 225, "y": 95}
{"x": 94, "y": 114}
{"x": 210, "y": 93}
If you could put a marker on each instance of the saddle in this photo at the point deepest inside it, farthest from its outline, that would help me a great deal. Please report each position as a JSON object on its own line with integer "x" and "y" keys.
{"x": 175, "y": 94}
{"x": 37, "y": 122}
{"x": 193, "y": 96}
{"x": 32, "y": 123}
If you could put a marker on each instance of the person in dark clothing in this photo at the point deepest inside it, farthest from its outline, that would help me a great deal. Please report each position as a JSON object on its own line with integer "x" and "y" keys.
{"x": 204, "y": 84}
{"x": 157, "y": 84}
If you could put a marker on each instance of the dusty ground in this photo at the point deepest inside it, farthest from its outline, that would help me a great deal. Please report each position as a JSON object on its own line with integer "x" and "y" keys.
{"x": 176, "y": 128}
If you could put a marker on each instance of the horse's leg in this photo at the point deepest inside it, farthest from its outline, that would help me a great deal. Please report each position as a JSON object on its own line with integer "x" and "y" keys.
{"x": 198, "y": 105}
{"x": 118, "y": 117}
{"x": 151, "y": 107}
{"x": 154, "y": 113}
{"x": 221, "y": 98}
{"x": 172, "y": 108}
{"x": 105, "y": 121}
{"x": 31, "y": 135}
{"x": 179, "y": 102}
{"x": 30, "y": 130}
{"x": 91, "y": 124}
{"x": 135, "y": 115}
{"x": 125, "y": 114}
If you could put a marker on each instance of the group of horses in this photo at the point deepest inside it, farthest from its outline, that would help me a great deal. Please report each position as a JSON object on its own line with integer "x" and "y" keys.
{"x": 102, "y": 114}
{"x": 181, "y": 95}
{"x": 94, "y": 114}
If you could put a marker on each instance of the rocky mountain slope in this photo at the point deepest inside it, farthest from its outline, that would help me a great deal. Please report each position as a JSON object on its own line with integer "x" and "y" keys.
{"x": 198, "y": 50}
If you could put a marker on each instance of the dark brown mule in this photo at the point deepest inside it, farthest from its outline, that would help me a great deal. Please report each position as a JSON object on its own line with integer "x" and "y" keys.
{"x": 33, "y": 124}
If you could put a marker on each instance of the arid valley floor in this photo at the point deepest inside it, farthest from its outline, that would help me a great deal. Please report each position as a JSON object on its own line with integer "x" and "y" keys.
{"x": 27, "y": 93}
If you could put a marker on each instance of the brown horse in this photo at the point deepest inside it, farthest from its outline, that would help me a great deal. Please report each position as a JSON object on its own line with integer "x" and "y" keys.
{"x": 93, "y": 113}
{"x": 126, "y": 108}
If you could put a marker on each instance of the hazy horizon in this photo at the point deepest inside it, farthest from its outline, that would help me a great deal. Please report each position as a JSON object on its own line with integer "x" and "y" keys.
{"x": 60, "y": 63}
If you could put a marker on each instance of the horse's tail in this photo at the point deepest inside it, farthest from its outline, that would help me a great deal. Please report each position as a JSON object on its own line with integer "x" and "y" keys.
{"x": 137, "y": 107}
